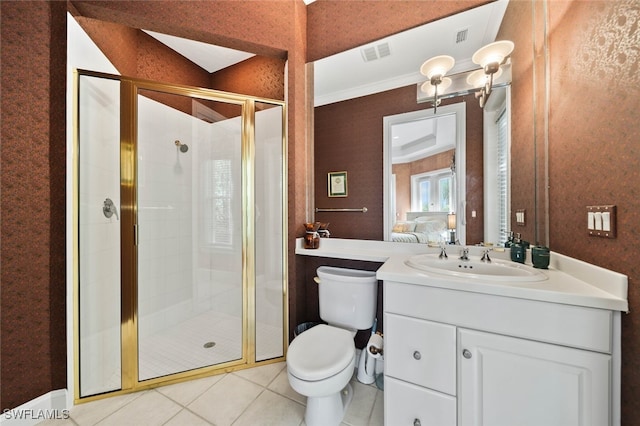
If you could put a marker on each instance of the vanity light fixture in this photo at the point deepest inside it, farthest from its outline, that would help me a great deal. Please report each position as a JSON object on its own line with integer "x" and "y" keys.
{"x": 435, "y": 70}
{"x": 489, "y": 57}
{"x": 451, "y": 224}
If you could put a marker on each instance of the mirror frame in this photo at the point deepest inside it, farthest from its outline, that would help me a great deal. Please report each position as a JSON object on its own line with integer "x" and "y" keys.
{"x": 460, "y": 111}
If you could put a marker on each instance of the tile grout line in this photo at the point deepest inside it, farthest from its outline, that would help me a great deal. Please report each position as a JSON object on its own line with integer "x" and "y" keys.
{"x": 121, "y": 407}
{"x": 251, "y": 403}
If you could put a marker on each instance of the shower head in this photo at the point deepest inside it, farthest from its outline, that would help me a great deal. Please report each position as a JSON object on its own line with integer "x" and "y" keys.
{"x": 183, "y": 147}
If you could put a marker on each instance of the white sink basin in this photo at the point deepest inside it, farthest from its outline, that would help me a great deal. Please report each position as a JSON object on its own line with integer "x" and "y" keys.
{"x": 496, "y": 270}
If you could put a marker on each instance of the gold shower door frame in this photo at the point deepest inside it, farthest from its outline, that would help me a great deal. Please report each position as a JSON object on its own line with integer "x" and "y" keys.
{"x": 129, "y": 88}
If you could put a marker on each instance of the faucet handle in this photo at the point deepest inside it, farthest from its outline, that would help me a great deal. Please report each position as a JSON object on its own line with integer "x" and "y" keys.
{"x": 485, "y": 256}
{"x": 443, "y": 252}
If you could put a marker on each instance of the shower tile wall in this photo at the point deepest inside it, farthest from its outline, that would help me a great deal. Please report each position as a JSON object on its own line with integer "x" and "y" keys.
{"x": 164, "y": 216}
{"x": 187, "y": 285}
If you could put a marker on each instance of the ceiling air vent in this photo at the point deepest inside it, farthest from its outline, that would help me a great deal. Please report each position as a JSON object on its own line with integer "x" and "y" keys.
{"x": 461, "y": 35}
{"x": 371, "y": 53}
{"x": 383, "y": 50}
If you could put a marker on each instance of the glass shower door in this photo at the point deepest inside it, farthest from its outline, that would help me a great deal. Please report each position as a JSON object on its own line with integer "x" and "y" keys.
{"x": 270, "y": 270}
{"x": 190, "y": 297}
{"x": 180, "y": 233}
{"x": 98, "y": 235}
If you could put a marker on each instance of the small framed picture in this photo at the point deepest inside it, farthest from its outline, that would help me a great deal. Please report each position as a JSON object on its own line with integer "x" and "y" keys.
{"x": 337, "y": 184}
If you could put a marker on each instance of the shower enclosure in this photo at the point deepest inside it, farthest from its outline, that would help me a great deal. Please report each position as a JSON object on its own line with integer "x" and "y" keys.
{"x": 180, "y": 233}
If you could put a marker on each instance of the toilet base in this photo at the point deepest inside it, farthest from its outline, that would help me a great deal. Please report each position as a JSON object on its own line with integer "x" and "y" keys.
{"x": 328, "y": 410}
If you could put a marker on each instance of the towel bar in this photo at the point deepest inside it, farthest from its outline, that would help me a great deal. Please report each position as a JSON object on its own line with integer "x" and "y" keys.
{"x": 363, "y": 210}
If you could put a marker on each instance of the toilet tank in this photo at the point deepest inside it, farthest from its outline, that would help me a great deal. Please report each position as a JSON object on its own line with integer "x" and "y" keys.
{"x": 347, "y": 297}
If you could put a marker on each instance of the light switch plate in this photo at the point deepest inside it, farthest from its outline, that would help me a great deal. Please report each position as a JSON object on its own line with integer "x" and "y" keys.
{"x": 520, "y": 217}
{"x": 601, "y": 221}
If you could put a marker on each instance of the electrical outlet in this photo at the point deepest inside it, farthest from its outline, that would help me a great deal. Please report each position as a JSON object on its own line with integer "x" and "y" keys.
{"x": 601, "y": 221}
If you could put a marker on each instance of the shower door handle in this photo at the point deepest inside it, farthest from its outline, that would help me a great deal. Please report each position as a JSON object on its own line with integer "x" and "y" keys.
{"x": 109, "y": 209}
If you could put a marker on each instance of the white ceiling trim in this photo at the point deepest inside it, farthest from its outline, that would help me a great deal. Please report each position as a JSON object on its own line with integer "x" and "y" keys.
{"x": 391, "y": 83}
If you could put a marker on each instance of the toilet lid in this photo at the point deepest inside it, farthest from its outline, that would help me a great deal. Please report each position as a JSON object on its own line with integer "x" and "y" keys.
{"x": 320, "y": 352}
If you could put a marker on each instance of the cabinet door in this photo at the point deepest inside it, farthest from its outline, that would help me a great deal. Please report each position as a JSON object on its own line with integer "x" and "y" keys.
{"x": 411, "y": 405}
{"x": 509, "y": 381}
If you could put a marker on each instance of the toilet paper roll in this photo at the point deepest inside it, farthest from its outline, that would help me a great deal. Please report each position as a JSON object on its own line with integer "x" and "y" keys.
{"x": 375, "y": 346}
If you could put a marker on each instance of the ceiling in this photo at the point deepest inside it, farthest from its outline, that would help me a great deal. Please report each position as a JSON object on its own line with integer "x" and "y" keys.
{"x": 385, "y": 64}
{"x": 390, "y": 63}
{"x": 348, "y": 75}
{"x": 416, "y": 139}
{"x": 207, "y": 56}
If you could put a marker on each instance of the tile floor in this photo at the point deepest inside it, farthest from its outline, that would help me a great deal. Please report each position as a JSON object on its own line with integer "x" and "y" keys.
{"x": 254, "y": 397}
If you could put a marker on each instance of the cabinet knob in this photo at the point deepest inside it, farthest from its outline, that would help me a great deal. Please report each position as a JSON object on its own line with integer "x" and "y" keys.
{"x": 416, "y": 422}
{"x": 417, "y": 355}
{"x": 466, "y": 353}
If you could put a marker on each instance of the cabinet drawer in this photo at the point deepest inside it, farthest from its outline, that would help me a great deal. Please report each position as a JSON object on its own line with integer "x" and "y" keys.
{"x": 420, "y": 352}
{"x": 407, "y": 404}
{"x": 575, "y": 326}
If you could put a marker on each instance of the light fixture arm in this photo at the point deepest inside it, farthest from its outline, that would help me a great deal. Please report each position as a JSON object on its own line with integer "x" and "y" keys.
{"x": 481, "y": 95}
{"x": 435, "y": 69}
{"x": 489, "y": 85}
{"x": 435, "y": 95}
{"x": 490, "y": 58}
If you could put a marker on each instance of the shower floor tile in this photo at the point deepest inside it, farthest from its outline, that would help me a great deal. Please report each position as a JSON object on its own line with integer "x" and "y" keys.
{"x": 182, "y": 347}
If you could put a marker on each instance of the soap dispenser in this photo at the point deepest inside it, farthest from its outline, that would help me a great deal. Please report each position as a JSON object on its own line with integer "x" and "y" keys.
{"x": 509, "y": 241}
{"x": 518, "y": 250}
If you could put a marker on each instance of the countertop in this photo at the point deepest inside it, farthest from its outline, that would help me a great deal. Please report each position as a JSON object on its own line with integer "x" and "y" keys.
{"x": 569, "y": 281}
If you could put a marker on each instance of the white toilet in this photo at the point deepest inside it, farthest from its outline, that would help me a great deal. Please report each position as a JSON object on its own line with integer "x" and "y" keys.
{"x": 321, "y": 360}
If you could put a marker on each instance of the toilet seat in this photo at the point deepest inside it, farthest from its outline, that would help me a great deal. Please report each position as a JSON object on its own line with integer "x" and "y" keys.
{"x": 320, "y": 352}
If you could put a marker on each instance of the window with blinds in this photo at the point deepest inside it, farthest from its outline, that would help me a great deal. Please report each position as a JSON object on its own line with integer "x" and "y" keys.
{"x": 431, "y": 191}
{"x": 502, "y": 155}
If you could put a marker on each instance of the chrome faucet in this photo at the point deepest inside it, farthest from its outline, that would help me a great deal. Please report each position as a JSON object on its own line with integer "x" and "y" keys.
{"x": 464, "y": 254}
{"x": 443, "y": 252}
{"x": 485, "y": 256}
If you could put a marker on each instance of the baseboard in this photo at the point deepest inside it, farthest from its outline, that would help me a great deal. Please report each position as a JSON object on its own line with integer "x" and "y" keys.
{"x": 52, "y": 405}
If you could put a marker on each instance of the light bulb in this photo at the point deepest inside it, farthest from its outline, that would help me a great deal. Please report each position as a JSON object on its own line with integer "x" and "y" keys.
{"x": 478, "y": 78}
{"x": 430, "y": 89}
{"x": 493, "y": 53}
{"x": 437, "y": 66}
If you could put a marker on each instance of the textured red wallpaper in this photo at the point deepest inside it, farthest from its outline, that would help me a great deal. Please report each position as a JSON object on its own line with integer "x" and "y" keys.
{"x": 594, "y": 149}
{"x": 119, "y": 43}
{"x": 349, "y": 137}
{"x": 262, "y": 27}
{"x": 33, "y": 167}
{"x": 257, "y": 76}
{"x": 337, "y": 25}
{"x": 593, "y": 134}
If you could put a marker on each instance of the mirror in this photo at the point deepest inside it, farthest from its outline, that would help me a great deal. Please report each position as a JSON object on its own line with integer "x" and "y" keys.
{"x": 429, "y": 149}
{"x": 472, "y": 224}
{"x": 424, "y": 174}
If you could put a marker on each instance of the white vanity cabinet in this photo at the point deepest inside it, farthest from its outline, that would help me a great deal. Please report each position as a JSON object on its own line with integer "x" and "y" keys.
{"x": 509, "y": 381}
{"x": 462, "y": 358}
